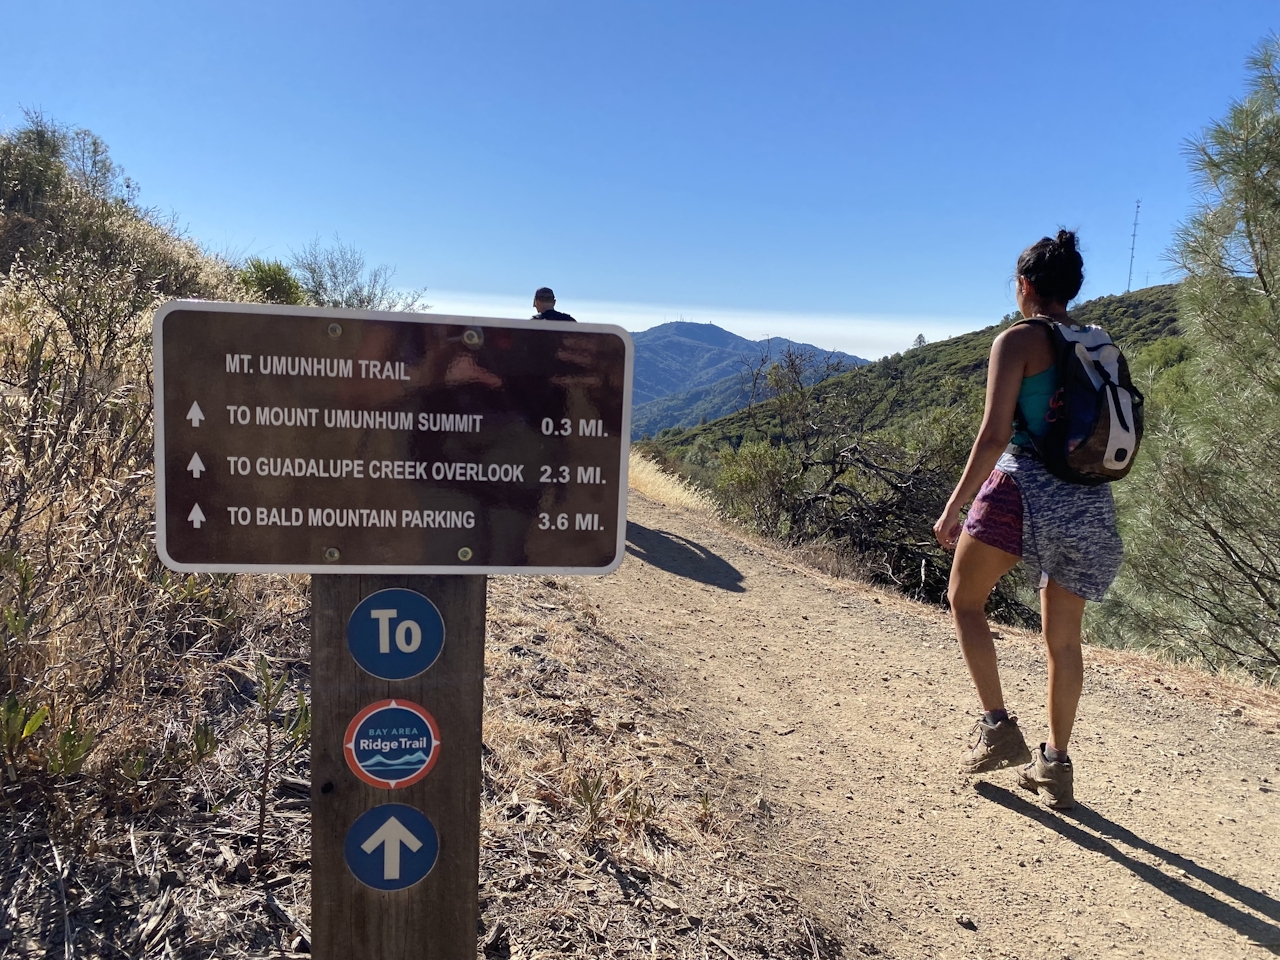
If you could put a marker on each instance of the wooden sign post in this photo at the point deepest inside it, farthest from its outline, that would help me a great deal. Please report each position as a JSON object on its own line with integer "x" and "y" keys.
{"x": 433, "y": 920}
{"x": 399, "y": 459}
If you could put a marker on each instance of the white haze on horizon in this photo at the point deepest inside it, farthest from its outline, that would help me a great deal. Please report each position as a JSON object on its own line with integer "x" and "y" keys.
{"x": 869, "y": 336}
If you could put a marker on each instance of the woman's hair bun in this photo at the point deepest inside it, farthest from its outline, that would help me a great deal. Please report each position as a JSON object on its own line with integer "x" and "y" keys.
{"x": 1054, "y": 267}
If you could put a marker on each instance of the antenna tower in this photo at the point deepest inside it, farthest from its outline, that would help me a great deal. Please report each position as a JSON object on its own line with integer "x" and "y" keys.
{"x": 1133, "y": 243}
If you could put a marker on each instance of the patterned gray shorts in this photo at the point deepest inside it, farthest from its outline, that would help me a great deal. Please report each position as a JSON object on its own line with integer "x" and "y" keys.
{"x": 1068, "y": 531}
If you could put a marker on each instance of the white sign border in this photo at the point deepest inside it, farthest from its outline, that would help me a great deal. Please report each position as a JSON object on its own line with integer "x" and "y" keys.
{"x": 221, "y": 306}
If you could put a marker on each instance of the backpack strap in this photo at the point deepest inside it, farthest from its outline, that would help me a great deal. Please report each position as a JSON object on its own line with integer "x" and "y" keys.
{"x": 1039, "y": 320}
{"x": 1019, "y": 418}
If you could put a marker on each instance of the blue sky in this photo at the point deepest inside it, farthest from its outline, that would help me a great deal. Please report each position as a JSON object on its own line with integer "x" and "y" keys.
{"x": 848, "y": 174}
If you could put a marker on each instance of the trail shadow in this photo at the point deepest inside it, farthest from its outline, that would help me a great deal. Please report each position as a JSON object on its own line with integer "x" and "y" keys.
{"x": 683, "y": 557}
{"x": 1260, "y": 932}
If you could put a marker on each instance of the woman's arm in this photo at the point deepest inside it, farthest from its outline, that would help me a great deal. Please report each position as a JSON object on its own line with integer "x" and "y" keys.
{"x": 1004, "y": 380}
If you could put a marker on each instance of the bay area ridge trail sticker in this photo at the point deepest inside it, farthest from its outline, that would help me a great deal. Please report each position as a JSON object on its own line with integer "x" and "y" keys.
{"x": 392, "y": 744}
{"x": 395, "y": 634}
{"x": 391, "y": 847}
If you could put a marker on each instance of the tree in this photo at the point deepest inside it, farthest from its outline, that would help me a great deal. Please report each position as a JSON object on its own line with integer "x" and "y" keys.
{"x": 48, "y": 173}
{"x": 70, "y": 217}
{"x": 1202, "y": 526}
{"x": 336, "y": 276}
{"x": 919, "y": 341}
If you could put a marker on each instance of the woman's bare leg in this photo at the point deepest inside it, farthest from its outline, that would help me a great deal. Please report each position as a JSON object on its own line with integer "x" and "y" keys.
{"x": 1062, "y": 612}
{"x": 974, "y": 573}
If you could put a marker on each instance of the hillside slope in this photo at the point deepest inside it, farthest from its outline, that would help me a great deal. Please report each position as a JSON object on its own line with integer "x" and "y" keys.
{"x": 692, "y": 407}
{"x": 674, "y": 358}
{"x": 934, "y": 374}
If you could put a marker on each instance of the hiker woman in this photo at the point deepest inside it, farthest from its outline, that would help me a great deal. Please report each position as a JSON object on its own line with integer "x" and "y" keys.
{"x": 1064, "y": 532}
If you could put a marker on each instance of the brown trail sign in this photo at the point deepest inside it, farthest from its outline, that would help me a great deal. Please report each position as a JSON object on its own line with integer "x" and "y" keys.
{"x": 301, "y": 440}
{"x": 386, "y": 446}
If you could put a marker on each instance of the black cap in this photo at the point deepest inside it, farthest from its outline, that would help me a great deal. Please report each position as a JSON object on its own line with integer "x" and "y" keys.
{"x": 544, "y": 293}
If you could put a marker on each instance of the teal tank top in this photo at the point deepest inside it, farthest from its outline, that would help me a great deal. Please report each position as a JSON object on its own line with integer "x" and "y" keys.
{"x": 1033, "y": 399}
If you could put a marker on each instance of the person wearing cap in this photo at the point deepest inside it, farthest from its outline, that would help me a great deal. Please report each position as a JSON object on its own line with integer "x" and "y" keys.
{"x": 544, "y": 301}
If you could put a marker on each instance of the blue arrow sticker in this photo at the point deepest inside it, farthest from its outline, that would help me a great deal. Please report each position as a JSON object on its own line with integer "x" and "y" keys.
{"x": 391, "y": 847}
{"x": 395, "y": 634}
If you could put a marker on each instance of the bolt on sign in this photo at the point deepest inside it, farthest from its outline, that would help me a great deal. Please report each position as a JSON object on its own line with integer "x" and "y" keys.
{"x": 379, "y": 451}
{"x": 318, "y": 441}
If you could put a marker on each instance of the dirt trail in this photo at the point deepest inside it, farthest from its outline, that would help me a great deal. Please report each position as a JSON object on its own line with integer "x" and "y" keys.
{"x": 846, "y": 710}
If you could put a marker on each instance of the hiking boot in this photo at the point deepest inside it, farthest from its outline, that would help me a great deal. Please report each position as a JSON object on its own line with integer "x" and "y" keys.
{"x": 1053, "y": 781}
{"x": 998, "y": 747}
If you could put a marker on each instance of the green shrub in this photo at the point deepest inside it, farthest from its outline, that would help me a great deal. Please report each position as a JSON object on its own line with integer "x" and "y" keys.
{"x": 756, "y": 483}
{"x": 271, "y": 282}
{"x": 1202, "y": 510}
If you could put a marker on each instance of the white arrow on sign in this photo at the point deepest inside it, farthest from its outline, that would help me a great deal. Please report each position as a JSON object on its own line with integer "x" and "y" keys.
{"x": 196, "y": 466}
{"x": 195, "y": 414}
{"x": 196, "y": 516}
{"x": 390, "y": 835}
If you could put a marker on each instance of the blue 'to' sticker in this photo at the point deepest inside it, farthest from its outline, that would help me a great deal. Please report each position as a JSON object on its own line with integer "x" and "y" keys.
{"x": 391, "y": 847}
{"x": 395, "y": 634}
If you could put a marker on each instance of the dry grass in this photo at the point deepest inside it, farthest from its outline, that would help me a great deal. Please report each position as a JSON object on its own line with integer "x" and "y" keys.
{"x": 608, "y": 829}
{"x": 132, "y": 713}
{"x": 128, "y": 816}
{"x": 648, "y": 478}
{"x": 131, "y": 727}
{"x": 148, "y": 851}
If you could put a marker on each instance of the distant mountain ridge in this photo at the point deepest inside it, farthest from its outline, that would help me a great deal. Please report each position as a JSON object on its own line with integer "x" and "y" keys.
{"x": 1135, "y": 320}
{"x": 686, "y": 371}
